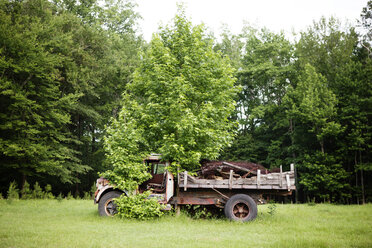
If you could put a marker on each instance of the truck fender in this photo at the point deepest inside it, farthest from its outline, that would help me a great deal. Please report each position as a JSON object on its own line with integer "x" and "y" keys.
{"x": 106, "y": 189}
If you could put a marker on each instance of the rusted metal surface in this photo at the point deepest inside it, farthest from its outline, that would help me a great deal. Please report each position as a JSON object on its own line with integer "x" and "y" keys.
{"x": 189, "y": 200}
{"x": 197, "y": 197}
{"x": 212, "y": 196}
{"x": 241, "y": 210}
{"x": 211, "y": 169}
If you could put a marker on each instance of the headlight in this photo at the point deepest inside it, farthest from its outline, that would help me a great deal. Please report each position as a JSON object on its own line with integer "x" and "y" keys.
{"x": 101, "y": 182}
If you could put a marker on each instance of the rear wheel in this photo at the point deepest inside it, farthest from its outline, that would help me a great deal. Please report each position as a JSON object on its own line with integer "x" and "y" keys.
{"x": 241, "y": 207}
{"x": 106, "y": 205}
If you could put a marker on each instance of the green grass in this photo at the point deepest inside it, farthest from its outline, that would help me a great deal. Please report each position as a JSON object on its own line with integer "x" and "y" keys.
{"x": 75, "y": 223}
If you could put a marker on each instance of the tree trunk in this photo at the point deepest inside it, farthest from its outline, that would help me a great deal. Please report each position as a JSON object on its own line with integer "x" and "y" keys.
{"x": 322, "y": 146}
{"x": 356, "y": 175}
{"x": 291, "y": 130}
{"x": 24, "y": 177}
{"x": 361, "y": 178}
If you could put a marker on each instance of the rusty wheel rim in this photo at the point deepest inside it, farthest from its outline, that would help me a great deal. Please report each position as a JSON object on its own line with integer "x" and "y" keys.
{"x": 110, "y": 207}
{"x": 241, "y": 210}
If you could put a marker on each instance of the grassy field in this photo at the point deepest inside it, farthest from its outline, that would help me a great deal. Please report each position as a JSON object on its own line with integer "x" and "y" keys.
{"x": 76, "y": 223}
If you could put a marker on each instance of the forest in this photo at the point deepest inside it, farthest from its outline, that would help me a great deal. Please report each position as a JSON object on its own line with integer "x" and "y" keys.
{"x": 64, "y": 65}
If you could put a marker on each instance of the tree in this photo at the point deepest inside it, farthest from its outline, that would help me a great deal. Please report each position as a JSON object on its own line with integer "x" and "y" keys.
{"x": 323, "y": 179}
{"x": 332, "y": 49}
{"x": 34, "y": 114}
{"x": 314, "y": 104}
{"x": 179, "y": 101}
{"x": 366, "y": 24}
{"x": 103, "y": 63}
{"x": 266, "y": 70}
{"x": 63, "y": 64}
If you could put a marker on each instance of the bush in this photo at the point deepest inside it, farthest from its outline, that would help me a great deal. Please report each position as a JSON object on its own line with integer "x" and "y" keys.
{"x": 37, "y": 193}
{"x": 87, "y": 196}
{"x": 69, "y": 196}
{"x": 59, "y": 197}
{"x": 48, "y": 192}
{"x": 13, "y": 191}
{"x": 138, "y": 207}
{"x": 26, "y": 192}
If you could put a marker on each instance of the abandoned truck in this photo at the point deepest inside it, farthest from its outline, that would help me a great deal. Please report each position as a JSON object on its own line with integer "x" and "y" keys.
{"x": 234, "y": 188}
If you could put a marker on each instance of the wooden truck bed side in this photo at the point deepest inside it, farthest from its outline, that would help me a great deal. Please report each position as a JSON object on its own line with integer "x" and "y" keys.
{"x": 284, "y": 181}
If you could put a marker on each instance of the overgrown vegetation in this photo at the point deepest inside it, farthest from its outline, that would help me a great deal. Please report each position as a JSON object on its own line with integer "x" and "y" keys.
{"x": 138, "y": 206}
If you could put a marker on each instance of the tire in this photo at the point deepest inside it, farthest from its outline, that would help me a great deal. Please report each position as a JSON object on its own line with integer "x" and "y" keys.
{"x": 241, "y": 207}
{"x": 106, "y": 205}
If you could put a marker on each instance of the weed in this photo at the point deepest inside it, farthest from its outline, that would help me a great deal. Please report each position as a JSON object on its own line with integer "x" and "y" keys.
{"x": 272, "y": 208}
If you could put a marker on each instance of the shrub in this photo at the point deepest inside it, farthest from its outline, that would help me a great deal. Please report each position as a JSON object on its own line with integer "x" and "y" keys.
{"x": 87, "y": 196}
{"x": 37, "y": 193}
{"x": 138, "y": 206}
{"x": 69, "y": 196}
{"x": 13, "y": 191}
{"x": 26, "y": 192}
{"x": 59, "y": 197}
{"x": 48, "y": 192}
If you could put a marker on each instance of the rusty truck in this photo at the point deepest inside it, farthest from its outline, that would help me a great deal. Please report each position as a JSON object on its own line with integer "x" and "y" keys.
{"x": 238, "y": 194}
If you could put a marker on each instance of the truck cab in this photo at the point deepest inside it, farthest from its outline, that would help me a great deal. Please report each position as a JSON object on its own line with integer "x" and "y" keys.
{"x": 161, "y": 184}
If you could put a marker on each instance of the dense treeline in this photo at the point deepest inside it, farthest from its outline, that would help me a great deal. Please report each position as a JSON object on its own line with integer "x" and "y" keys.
{"x": 64, "y": 65}
{"x": 309, "y": 103}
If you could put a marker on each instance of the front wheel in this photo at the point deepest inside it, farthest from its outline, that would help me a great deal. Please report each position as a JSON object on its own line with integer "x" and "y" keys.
{"x": 106, "y": 205}
{"x": 241, "y": 207}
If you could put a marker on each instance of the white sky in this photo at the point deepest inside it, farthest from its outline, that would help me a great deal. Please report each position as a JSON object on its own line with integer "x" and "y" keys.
{"x": 276, "y": 15}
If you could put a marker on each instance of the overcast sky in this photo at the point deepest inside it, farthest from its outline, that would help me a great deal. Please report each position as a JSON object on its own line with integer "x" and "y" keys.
{"x": 276, "y": 15}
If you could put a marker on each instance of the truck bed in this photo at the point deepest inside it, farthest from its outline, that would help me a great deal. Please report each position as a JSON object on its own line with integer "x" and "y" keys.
{"x": 276, "y": 181}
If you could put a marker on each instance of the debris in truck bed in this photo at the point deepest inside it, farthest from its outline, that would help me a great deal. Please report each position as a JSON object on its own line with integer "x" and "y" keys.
{"x": 218, "y": 169}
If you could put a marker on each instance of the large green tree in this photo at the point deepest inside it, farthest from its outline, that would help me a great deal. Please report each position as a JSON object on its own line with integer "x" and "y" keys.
{"x": 307, "y": 103}
{"x": 34, "y": 113}
{"x": 179, "y": 102}
{"x": 332, "y": 49}
{"x": 265, "y": 72}
{"x": 63, "y": 66}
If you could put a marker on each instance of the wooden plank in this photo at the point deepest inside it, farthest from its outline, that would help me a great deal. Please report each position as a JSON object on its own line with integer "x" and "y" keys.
{"x": 235, "y": 182}
{"x": 262, "y": 187}
{"x": 258, "y": 178}
{"x": 185, "y": 181}
{"x": 288, "y": 183}
{"x": 270, "y": 179}
{"x": 231, "y": 179}
{"x": 238, "y": 167}
{"x": 281, "y": 176}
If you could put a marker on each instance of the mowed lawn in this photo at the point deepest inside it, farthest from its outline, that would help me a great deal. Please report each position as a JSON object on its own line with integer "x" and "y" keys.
{"x": 76, "y": 223}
